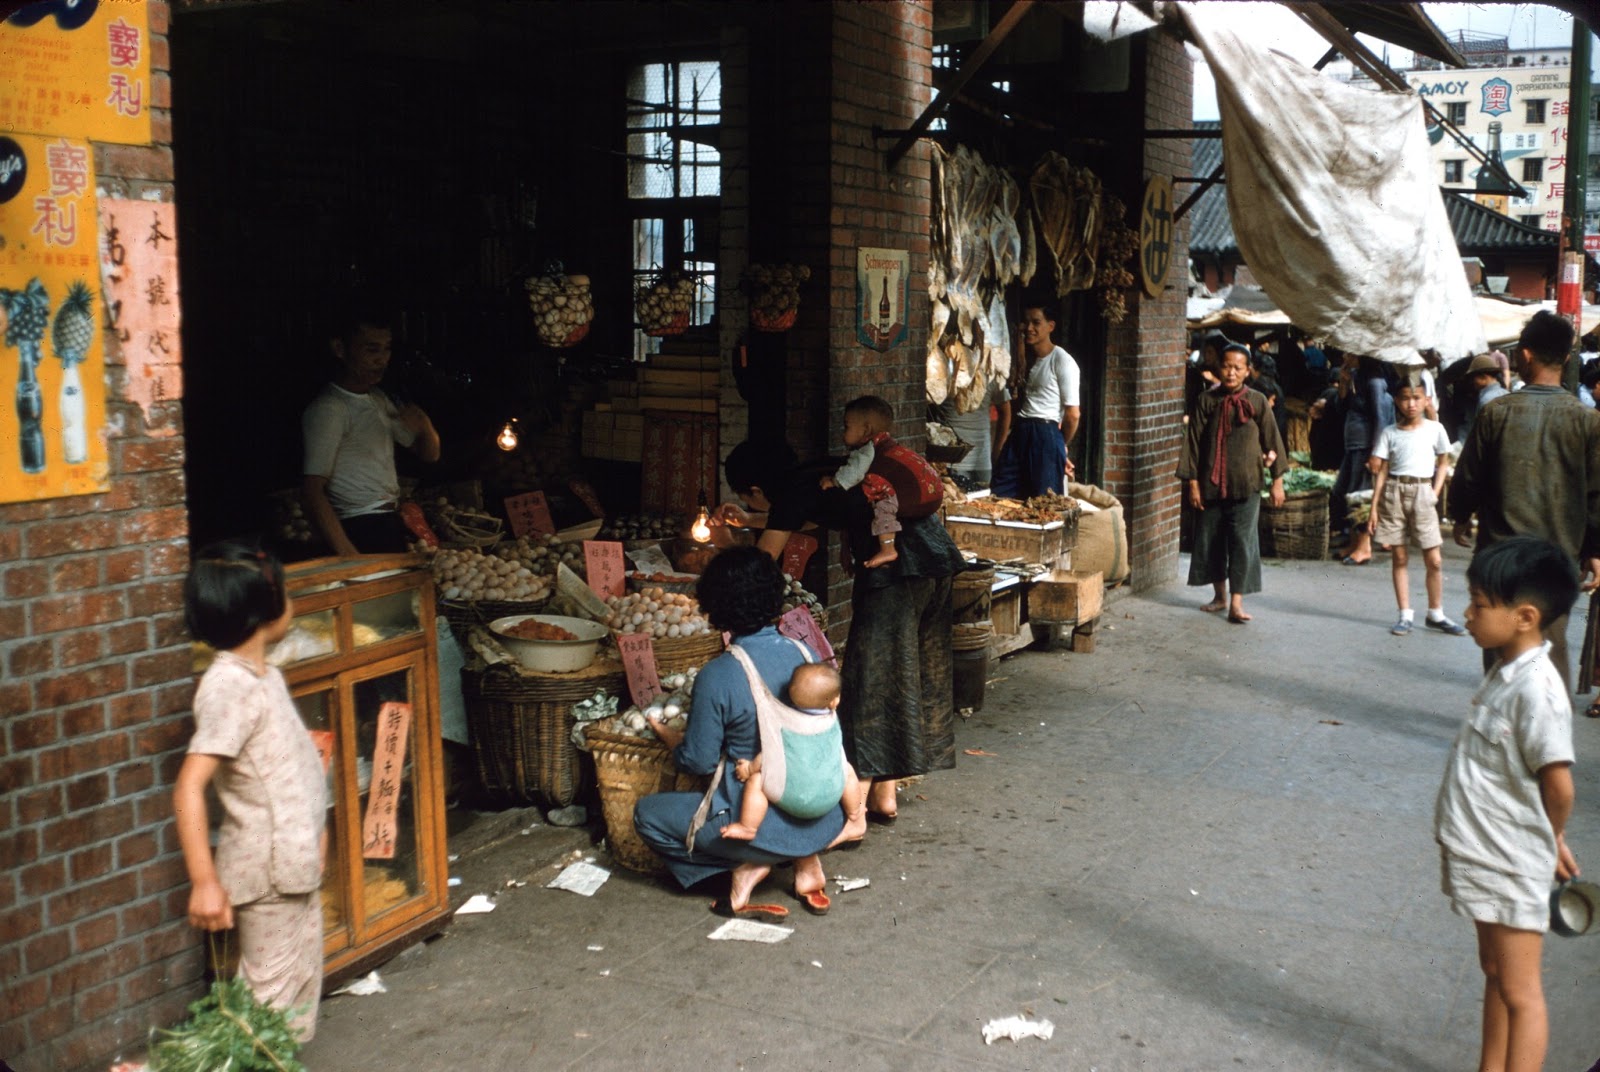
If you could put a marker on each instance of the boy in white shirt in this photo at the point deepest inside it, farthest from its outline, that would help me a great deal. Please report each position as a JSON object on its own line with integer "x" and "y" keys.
{"x": 1501, "y": 815}
{"x": 1413, "y": 463}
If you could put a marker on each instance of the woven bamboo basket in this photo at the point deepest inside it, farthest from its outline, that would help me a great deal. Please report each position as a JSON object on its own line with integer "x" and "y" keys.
{"x": 1298, "y": 528}
{"x": 626, "y": 769}
{"x": 773, "y": 324}
{"x": 954, "y": 452}
{"x": 463, "y": 614}
{"x": 521, "y": 723}
{"x": 674, "y": 655}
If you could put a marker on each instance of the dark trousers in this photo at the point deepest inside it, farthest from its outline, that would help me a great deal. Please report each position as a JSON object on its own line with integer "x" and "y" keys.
{"x": 1033, "y": 461}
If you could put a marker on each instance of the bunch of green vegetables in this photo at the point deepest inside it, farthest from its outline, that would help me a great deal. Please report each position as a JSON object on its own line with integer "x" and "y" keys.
{"x": 1300, "y": 478}
{"x": 228, "y": 1029}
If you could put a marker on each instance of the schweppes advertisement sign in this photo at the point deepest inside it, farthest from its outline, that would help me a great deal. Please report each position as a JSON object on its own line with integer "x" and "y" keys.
{"x": 79, "y": 68}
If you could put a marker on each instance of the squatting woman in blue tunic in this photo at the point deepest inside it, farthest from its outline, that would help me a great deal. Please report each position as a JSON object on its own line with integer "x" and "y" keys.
{"x": 741, "y": 592}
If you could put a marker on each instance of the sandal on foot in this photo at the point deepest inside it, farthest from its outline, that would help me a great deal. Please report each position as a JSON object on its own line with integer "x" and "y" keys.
{"x": 1593, "y": 710}
{"x": 816, "y": 902}
{"x": 766, "y": 913}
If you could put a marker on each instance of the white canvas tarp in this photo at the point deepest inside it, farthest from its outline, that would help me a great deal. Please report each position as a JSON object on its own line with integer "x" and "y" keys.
{"x": 1334, "y": 204}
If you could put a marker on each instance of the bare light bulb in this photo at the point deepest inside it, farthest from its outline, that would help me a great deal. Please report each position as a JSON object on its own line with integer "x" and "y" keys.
{"x": 701, "y": 529}
{"x": 507, "y": 439}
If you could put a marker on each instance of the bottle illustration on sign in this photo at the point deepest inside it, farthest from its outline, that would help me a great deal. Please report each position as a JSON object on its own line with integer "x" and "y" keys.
{"x": 27, "y": 314}
{"x": 883, "y": 307}
{"x": 72, "y": 334}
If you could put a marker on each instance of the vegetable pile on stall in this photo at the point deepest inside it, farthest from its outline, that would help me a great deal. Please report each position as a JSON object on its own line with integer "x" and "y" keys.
{"x": 774, "y": 292}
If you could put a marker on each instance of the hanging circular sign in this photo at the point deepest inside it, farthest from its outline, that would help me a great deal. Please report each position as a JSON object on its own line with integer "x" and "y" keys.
{"x": 1155, "y": 234}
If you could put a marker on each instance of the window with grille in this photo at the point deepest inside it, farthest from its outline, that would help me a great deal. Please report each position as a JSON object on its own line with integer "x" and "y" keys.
{"x": 1531, "y": 221}
{"x": 1535, "y": 110}
{"x": 674, "y": 118}
{"x": 1532, "y": 168}
{"x": 1456, "y": 112}
{"x": 1453, "y": 170}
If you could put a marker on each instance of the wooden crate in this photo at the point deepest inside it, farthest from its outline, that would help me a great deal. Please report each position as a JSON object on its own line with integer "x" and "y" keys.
{"x": 1066, "y": 596}
{"x": 1007, "y": 540}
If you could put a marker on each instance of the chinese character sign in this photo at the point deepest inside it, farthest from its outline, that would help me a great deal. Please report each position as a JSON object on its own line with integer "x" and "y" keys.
{"x": 51, "y": 350}
{"x": 883, "y": 291}
{"x": 1496, "y": 97}
{"x": 380, "y": 824}
{"x": 79, "y": 68}
{"x": 139, "y": 270}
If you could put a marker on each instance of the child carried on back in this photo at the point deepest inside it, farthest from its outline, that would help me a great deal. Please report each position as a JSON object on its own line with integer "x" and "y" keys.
{"x": 813, "y": 689}
{"x": 896, "y": 480}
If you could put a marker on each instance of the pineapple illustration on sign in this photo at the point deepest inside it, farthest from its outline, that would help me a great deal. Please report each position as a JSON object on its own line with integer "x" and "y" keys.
{"x": 27, "y": 314}
{"x": 72, "y": 335}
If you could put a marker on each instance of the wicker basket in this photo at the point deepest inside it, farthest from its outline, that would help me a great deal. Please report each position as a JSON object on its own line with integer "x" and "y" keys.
{"x": 950, "y": 454}
{"x": 674, "y": 655}
{"x": 627, "y": 768}
{"x": 463, "y": 614}
{"x": 521, "y": 723}
{"x": 1298, "y": 528}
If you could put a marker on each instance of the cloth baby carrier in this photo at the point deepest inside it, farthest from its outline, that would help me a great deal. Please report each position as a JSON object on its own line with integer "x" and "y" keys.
{"x": 802, "y": 765}
{"x": 914, "y": 480}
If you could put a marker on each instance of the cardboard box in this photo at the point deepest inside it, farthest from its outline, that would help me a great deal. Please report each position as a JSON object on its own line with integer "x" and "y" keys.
{"x": 658, "y": 382}
{"x": 1007, "y": 540}
{"x": 678, "y": 405}
{"x": 1066, "y": 596}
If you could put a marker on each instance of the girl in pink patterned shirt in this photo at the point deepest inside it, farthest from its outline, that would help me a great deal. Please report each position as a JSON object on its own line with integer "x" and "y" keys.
{"x": 251, "y": 746}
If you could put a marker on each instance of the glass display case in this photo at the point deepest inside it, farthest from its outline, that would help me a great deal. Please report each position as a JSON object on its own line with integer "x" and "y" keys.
{"x": 361, "y": 663}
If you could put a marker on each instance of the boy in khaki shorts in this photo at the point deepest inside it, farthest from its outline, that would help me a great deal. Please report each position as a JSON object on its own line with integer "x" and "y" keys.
{"x": 1413, "y": 457}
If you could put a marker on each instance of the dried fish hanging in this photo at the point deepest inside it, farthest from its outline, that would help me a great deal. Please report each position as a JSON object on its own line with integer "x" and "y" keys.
{"x": 979, "y": 245}
{"x": 1066, "y": 204}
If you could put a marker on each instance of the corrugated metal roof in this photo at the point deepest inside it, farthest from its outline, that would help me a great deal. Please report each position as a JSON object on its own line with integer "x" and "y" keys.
{"x": 1477, "y": 229}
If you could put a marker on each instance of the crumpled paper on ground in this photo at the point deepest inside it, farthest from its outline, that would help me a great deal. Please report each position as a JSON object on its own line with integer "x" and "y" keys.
{"x": 475, "y": 904}
{"x": 1016, "y": 1027}
{"x": 365, "y": 986}
{"x": 581, "y": 877}
{"x": 748, "y": 930}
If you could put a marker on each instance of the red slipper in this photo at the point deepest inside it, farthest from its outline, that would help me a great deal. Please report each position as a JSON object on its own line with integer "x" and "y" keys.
{"x": 816, "y": 902}
{"x": 766, "y": 913}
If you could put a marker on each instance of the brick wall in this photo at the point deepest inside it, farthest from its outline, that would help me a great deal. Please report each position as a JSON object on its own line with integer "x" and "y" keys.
{"x": 1145, "y": 353}
{"x": 94, "y": 694}
{"x": 882, "y": 77}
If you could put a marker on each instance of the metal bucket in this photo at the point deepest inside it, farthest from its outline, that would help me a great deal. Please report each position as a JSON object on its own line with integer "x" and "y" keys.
{"x": 970, "y": 592}
{"x": 1573, "y": 907}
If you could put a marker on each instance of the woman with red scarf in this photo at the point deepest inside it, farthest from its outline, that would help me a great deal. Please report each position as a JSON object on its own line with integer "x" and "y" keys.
{"x": 1230, "y": 436}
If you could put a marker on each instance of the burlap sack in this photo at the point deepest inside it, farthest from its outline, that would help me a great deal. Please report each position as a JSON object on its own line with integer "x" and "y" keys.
{"x": 1102, "y": 536}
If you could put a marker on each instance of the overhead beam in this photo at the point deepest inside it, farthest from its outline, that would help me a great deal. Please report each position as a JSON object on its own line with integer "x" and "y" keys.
{"x": 969, "y": 70}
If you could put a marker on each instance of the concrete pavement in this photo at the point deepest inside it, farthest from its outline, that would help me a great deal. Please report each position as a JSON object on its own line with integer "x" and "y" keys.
{"x": 1205, "y": 846}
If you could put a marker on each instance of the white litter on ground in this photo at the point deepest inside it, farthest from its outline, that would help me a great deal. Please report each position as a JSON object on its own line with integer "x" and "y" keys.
{"x": 748, "y": 930}
{"x": 581, "y": 877}
{"x": 453, "y": 881}
{"x": 365, "y": 986}
{"x": 597, "y": 949}
{"x": 1015, "y": 1028}
{"x": 848, "y": 884}
{"x": 475, "y": 904}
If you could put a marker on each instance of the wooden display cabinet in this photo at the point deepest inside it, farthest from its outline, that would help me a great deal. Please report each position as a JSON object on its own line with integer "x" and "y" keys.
{"x": 362, "y": 641}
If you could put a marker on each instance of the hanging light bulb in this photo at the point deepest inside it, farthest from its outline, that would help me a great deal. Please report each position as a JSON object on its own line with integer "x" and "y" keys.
{"x": 507, "y": 439}
{"x": 701, "y": 529}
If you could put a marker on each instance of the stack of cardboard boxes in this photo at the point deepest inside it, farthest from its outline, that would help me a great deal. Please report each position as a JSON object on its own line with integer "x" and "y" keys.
{"x": 683, "y": 378}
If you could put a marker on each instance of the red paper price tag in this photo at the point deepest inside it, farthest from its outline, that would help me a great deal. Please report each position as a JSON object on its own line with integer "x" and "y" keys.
{"x": 323, "y": 739}
{"x": 606, "y": 566}
{"x": 638, "y": 653}
{"x": 530, "y": 514}
{"x": 380, "y": 827}
{"x": 798, "y": 624}
{"x": 797, "y": 552}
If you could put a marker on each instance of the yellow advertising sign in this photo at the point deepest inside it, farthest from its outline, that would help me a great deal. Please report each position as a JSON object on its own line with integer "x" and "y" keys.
{"x": 79, "y": 68}
{"x": 51, "y": 435}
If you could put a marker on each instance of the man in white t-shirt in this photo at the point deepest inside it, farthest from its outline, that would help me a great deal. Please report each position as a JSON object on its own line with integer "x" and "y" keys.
{"x": 350, "y": 488}
{"x": 1033, "y": 457}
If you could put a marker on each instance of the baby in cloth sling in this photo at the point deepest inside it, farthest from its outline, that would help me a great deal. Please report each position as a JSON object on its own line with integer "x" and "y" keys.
{"x": 802, "y": 766}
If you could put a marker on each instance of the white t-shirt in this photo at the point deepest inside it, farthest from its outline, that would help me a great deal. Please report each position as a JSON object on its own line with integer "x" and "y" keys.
{"x": 1413, "y": 451}
{"x": 1489, "y": 811}
{"x": 1052, "y": 384}
{"x": 349, "y": 439}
